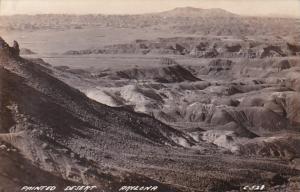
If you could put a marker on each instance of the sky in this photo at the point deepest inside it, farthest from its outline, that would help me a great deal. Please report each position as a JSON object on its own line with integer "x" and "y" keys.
{"x": 243, "y": 7}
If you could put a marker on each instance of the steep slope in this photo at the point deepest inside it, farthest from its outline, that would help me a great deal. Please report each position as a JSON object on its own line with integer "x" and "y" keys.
{"x": 16, "y": 172}
{"x": 62, "y": 131}
{"x": 56, "y": 131}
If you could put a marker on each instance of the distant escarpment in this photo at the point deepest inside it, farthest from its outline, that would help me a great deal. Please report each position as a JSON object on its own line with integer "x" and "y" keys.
{"x": 199, "y": 48}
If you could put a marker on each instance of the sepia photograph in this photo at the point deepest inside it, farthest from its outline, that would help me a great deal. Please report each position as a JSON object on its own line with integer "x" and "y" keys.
{"x": 149, "y": 95}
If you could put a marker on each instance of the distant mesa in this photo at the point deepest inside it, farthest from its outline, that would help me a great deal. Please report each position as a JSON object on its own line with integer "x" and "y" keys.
{"x": 197, "y": 12}
{"x": 165, "y": 74}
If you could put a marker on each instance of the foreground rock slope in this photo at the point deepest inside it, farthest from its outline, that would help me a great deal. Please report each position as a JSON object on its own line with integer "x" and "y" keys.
{"x": 53, "y": 130}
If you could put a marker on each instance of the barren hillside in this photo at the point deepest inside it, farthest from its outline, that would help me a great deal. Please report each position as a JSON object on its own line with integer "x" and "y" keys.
{"x": 63, "y": 134}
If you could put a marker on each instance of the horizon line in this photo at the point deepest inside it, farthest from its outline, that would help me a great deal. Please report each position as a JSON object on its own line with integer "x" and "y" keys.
{"x": 270, "y": 15}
